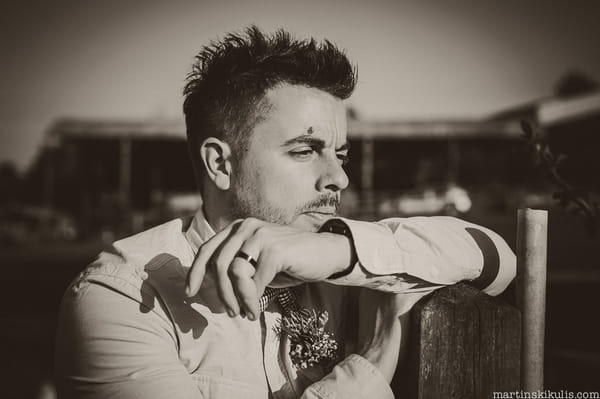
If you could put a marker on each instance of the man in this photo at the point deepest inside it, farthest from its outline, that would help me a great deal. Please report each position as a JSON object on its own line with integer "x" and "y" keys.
{"x": 178, "y": 311}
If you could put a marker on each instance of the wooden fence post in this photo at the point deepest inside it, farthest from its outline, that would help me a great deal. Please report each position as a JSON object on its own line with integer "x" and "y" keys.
{"x": 464, "y": 344}
{"x": 532, "y": 232}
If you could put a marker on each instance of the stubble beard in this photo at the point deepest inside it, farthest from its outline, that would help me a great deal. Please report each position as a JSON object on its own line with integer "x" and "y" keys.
{"x": 248, "y": 203}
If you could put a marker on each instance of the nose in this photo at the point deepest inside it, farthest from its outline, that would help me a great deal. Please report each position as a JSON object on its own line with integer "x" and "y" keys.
{"x": 332, "y": 176}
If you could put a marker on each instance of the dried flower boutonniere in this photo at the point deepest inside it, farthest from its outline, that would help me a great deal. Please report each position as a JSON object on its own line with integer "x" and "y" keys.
{"x": 310, "y": 344}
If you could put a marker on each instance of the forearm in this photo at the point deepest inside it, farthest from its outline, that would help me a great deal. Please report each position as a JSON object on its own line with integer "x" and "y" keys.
{"x": 345, "y": 254}
{"x": 423, "y": 253}
{"x": 381, "y": 342}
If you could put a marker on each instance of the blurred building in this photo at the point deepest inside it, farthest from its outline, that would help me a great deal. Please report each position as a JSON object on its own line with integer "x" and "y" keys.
{"x": 113, "y": 175}
{"x": 126, "y": 175}
{"x": 569, "y": 122}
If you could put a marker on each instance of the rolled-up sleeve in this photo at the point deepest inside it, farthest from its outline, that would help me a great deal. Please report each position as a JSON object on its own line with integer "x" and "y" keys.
{"x": 424, "y": 253}
{"x": 354, "y": 377}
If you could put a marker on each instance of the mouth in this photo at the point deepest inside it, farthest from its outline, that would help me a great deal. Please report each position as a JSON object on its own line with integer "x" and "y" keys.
{"x": 320, "y": 213}
{"x": 325, "y": 210}
{"x": 313, "y": 219}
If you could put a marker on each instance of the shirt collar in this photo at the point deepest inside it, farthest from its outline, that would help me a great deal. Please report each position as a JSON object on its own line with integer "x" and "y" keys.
{"x": 199, "y": 231}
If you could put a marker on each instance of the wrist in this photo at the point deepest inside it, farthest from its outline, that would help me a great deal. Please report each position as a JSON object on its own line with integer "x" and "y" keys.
{"x": 342, "y": 247}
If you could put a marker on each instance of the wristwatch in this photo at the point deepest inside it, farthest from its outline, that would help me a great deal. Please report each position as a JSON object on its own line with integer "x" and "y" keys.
{"x": 337, "y": 226}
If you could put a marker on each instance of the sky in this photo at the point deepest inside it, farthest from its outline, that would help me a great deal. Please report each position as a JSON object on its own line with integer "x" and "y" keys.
{"x": 423, "y": 59}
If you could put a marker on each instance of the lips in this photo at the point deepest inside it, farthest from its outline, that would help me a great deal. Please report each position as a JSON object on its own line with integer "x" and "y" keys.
{"x": 320, "y": 216}
{"x": 322, "y": 211}
{"x": 313, "y": 219}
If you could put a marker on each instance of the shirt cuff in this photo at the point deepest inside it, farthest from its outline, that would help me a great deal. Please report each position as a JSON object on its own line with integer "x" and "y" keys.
{"x": 353, "y": 377}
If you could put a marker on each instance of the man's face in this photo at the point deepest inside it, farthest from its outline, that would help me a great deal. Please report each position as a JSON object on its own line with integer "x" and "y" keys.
{"x": 292, "y": 172}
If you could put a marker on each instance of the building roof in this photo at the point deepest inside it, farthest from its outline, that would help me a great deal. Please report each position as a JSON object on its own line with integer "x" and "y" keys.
{"x": 114, "y": 129}
{"x": 434, "y": 129}
{"x": 175, "y": 130}
{"x": 550, "y": 111}
{"x": 561, "y": 110}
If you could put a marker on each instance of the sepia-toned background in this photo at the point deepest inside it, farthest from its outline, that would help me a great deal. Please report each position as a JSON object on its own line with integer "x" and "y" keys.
{"x": 92, "y": 142}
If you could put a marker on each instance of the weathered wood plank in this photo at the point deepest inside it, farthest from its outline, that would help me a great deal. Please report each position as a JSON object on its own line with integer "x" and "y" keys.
{"x": 464, "y": 344}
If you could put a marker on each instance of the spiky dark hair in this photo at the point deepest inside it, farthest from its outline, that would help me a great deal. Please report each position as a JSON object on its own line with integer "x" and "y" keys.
{"x": 224, "y": 92}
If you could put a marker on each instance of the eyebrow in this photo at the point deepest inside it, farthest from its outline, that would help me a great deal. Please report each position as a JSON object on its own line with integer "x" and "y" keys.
{"x": 313, "y": 141}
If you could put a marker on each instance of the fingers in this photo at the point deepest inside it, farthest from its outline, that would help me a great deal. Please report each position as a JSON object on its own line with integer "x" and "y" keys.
{"x": 240, "y": 277}
{"x": 226, "y": 291}
{"x": 265, "y": 272}
{"x": 206, "y": 251}
{"x": 233, "y": 275}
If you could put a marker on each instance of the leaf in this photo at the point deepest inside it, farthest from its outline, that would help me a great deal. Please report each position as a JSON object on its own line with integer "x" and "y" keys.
{"x": 560, "y": 158}
{"x": 527, "y": 128}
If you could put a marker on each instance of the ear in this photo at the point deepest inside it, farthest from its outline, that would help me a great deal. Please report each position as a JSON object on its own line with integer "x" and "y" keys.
{"x": 216, "y": 158}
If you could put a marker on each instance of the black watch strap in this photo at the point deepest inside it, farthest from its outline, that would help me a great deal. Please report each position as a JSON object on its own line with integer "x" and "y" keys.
{"x": 337, "y": 226}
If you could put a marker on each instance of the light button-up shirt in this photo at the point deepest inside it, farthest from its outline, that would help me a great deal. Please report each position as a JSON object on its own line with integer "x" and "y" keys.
{"x": 127, "y": 329}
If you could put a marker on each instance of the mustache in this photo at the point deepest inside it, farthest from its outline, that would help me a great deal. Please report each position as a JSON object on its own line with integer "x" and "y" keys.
{"x": 324, "y": 200}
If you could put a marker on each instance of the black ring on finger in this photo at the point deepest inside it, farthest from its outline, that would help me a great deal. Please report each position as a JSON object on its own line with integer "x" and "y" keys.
{"x": 246, "y": 257}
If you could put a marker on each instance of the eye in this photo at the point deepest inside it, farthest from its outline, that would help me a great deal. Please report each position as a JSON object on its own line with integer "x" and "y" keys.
{"x": 303, "y": 153}
{"x": 344, "y": 157}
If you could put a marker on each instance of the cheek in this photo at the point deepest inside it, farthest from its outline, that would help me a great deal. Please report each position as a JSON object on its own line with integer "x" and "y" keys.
{"x": 283, "y": 185}
{"x": 286, "y": 184}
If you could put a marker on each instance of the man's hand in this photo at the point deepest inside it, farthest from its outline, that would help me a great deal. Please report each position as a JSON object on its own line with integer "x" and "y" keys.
{"x": 295, "y": 255}
{"x": 383, "y": 328}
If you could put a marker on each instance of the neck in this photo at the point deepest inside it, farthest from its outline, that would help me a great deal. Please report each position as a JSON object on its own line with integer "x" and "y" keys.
{"x": 217, "y": 209}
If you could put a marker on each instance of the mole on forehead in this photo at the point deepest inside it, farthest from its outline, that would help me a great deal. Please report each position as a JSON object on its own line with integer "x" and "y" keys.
{"x": 310, "y": 130}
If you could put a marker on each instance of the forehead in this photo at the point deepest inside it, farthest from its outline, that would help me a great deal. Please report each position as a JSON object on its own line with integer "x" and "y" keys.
{"x": 294, "y": 110}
